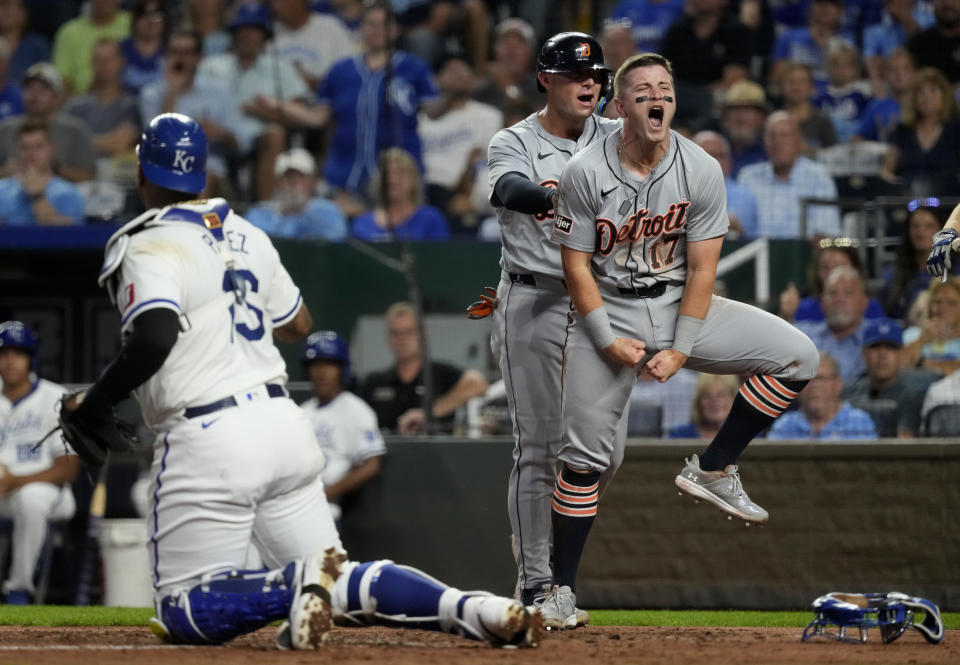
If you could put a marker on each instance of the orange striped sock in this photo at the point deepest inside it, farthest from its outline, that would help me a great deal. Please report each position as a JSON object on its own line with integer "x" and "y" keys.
{"x": 575, "y": 498}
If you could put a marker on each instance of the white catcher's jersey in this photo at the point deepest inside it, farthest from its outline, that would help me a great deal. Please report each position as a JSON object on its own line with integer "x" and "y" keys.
{"x": 225, "y": 347}
{"x": 347, "y": 432}
{"x": 24, "y": 422}
{"x": 527, "y": 148}
{"x": 637, "y": 228}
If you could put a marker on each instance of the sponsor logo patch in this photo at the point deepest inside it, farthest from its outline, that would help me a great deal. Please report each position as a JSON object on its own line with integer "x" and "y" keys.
{"x": 563, "y": 224}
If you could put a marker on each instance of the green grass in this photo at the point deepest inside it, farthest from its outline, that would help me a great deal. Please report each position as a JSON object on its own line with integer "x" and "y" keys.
{"x": 56, "y": 615}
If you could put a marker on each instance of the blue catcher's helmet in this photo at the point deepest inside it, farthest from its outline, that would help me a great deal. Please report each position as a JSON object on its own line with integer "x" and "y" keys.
{"x": 173, "y": 153}
{"x": 893, "y": 613}
{"x": 327, "y": 345}
{"x": 16, "y": 335}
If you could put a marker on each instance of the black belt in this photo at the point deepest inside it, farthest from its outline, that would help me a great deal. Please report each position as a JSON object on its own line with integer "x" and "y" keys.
{"x": 273, "y": 390}
{"x": 528, "y": 279}
{"x": 654, "y": 291}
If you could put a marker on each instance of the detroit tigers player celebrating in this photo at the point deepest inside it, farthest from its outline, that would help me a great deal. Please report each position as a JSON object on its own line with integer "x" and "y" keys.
{"x": 202, "y": 294}
{"x": 33, "y": 479}
{"x": 641, "y": 218}
{"x": 525, "y": 162}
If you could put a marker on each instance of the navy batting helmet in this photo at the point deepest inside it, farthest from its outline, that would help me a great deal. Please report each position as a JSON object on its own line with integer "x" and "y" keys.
{"x": 327, "y": 345}
{"x": 173, "y": 153}
{"x": 16, "y": 335}
{"x": 570, "y": 52}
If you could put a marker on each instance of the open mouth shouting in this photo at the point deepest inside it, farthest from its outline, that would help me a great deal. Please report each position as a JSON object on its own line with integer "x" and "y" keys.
{"x": 655, "y": 117}
{"x": 587, "y": 99}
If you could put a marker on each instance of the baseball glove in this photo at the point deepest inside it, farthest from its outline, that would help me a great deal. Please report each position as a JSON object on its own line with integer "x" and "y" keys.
{"x": 485, "y": 306}
{"x": 93, "y": 432}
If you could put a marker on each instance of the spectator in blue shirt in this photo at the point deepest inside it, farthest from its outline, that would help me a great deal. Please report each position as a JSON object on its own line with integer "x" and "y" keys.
{"x": 822, "y": 415}
{"x": 295, "y": 211}
{"x": 399, "y": 213}
{"x": 650, "y": 20}
{"x": 11, "y": 97}
{"x": 33, "y": 195}
{"x": 900, "y": 20}
{"x": 882, "y": 114}
{"x": 741, "y": 204}
{"x": 810, "y": 43}
{"x": 27, "y": 47}
{"x": 143, "y": 49}
{"x": 841, "y": 332}
{"x": 845, "y": 98}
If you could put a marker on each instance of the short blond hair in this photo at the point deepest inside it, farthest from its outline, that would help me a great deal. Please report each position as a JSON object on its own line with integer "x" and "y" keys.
{"x": 400, "y": 307}
{"x": 704, "y": 383}
{"x": 635, "y": 62}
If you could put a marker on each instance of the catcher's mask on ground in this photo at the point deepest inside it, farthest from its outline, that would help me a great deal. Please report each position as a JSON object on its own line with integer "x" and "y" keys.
{"x": 893, "y": 613}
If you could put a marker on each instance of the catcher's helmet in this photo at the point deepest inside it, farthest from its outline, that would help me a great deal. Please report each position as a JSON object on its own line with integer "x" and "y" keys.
{"x": 570, "y": 52}
{"x": 173, "y": 153}
{"x": 327, "y": 345}
{"x": 16, "y": 335}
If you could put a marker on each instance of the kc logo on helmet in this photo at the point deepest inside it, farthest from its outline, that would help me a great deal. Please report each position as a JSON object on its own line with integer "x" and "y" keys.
{"x": 582, "y": 50}
{"x": 182, "y": 161}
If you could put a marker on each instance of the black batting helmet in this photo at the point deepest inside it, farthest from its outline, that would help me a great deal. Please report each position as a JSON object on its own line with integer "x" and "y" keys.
{"x": 569, "y": 52}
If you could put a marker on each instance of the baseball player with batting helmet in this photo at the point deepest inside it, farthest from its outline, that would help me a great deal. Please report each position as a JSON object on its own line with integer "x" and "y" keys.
{"x": 345, "y": 426}
{"x": 34, "y": 479}
{"x": 525, "y": 163}
{"x": 641, "y": 218}
{"x": 202, "y": 294}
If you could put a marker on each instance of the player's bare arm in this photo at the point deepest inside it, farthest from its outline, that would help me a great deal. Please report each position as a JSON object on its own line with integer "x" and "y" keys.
{"x": 586, "y": 299}
{"x": 702, "y": 258}
{"x": 357, "y": 477}
{"x": 295, "y": 329}
{"x": 470, "y": 384}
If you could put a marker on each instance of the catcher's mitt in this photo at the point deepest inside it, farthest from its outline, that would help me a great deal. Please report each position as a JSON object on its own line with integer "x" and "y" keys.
{"x": 485, "y": 306}
{"x": 92, "y": 432}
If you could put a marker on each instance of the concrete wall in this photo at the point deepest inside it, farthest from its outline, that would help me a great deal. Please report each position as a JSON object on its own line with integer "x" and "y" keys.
{"x": 855, "y": 517}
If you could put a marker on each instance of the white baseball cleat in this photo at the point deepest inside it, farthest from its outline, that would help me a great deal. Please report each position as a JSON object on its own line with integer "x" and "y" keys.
{"x": 559, "y": 609}
{"x": 721, "y": 488}
{"x": 311, "y": 616}
{"x": 502, "y": 622}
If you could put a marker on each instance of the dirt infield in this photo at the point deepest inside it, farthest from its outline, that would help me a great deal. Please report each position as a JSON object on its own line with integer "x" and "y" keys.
{"x": 382, "y": 646}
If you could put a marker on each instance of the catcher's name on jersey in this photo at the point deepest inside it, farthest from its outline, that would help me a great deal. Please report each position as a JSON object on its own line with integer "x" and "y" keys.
{"x": 638, "y": 228}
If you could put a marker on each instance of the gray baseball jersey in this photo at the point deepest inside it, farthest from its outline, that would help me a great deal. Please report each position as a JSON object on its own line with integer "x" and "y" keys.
{"x": 638, "y": 231}
{"x": 638, "y": 228}
{"x": 528, "y": 148}
{"x": 528, "y": 333}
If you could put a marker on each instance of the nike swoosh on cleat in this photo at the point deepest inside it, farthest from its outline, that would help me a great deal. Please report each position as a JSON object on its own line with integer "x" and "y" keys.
{"x": 207, "y": 424}
{"x": 604, "y": 194}
{"x": 544, "y": 155}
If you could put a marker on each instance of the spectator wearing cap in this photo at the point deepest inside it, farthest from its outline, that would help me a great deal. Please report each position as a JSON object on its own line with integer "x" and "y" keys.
{"x": 797, "y": 88}
{"x": 27, "y": 48}
{"x": 11, "y": 97}
{"x": 811, "y": 43}
{"x": 74, "y": 41}
{"x": 369, "y": 117}
{"x": 74, "y": 154}
{"x": 204, "y": 98}
{"x": 781, "y": 183}
{"x": 455, "y": 143}
{"x": 109, "y": 111}
{"x": 709, "y": 49}
{"x": 650, "y": 20}
{"x": 743, "y": 111}
{"x": 295, "y": 211}
{"x": 939, "y": 45}
{"x": 822, "y": 414}
{"x": 310, "y": 42}
{"x": 884, "y": 379}
{"x": 249, "y": 70}
{"x": 33, "y": 195}
{"x": 143, "y": 49}
{"x": 510, "y": 75}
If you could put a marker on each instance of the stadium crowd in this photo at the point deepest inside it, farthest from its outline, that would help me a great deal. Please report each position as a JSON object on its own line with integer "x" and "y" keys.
{"x": 330, "y": 119}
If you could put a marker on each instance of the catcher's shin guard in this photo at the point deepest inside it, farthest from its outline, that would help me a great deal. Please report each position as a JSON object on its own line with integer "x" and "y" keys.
{"x": 226, "y": 605}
